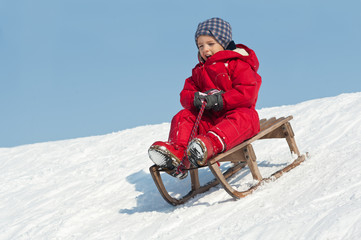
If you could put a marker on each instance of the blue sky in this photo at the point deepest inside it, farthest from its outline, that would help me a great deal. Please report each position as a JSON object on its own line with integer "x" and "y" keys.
{"x": 77, "y": 68}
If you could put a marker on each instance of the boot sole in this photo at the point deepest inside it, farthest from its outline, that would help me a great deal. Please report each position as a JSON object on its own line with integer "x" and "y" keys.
{"x": 166, "y": 160}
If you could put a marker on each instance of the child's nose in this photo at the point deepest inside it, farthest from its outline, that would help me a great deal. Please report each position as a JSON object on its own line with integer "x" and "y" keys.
{"x": 206, "y": 49}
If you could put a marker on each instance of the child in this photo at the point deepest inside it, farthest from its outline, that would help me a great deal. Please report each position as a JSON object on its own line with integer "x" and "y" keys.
{"x": 226, "y": 78}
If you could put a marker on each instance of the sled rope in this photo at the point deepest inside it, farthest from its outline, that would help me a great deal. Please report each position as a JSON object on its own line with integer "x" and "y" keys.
{"x": 198, "y": 120}
{"x": 181, "y": 168}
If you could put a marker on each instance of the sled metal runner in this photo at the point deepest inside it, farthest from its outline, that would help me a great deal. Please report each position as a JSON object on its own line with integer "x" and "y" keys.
{"x": 242, "y": 155}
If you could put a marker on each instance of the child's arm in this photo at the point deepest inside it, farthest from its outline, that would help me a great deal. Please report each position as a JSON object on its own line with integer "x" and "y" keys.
{"x": 245, "y": 86}
{"x": 187, "y": 94}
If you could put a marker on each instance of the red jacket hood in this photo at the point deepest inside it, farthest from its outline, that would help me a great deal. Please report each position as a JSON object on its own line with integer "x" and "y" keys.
{"x": 251, "y": 58}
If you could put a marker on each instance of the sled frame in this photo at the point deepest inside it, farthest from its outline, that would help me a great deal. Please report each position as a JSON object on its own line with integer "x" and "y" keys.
{"x": 241, "y": 156}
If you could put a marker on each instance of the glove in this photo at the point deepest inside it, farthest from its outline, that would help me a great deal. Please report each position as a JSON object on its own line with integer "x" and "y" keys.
{"x": 199, "y": 97}
{"x": 213, "y": 98}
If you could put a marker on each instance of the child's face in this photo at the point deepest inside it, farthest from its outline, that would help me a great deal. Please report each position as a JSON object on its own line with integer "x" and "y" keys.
{"x": 208, "y": 46}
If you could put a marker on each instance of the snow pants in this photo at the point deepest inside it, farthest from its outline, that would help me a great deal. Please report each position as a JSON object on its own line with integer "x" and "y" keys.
{"x": 233, "y": 127}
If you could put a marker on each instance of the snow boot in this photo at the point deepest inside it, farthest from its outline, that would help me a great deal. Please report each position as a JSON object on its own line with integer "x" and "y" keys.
{"x": 204, "y": 147}
{"x": 168, "y": 157}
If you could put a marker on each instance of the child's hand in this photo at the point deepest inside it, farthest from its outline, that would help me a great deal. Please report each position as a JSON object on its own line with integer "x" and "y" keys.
{"x": 215, "y": 101}
{"x": 199, "y": 99}
{"x": 213, "y": 98}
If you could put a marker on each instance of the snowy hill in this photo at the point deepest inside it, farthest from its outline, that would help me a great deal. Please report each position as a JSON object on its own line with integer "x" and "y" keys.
{"x": 100, "y": 188}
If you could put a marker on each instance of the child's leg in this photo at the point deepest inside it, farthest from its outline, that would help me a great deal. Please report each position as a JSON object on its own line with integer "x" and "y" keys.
{"x": 182, "y": 126}
{"x": 169, "y": 154}
{"x": 237, "y": 126}
{"x": 229, "y": 130}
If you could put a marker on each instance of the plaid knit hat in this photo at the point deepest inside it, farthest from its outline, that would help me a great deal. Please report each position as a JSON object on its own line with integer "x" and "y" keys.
{"x": 217, "y": 28}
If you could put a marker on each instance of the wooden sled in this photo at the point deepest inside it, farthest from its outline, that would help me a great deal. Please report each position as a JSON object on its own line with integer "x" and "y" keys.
{"x": 241, "y": 156}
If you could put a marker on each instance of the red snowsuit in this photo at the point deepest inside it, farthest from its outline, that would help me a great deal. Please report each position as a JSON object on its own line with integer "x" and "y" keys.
{"x": 237, "y": 76}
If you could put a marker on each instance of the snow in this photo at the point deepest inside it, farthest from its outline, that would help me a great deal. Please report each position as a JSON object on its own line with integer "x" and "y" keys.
{"x": 99, "y": 187}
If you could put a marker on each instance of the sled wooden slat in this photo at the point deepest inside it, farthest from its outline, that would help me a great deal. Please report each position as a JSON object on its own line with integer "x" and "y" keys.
{"x": 241, "y": 156}
{"x": 262, "y": 121}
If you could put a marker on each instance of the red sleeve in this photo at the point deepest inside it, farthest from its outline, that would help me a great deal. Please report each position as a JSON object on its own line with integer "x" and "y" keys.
{"x": 245, "y": 86}
{"x": 187, "y": 94}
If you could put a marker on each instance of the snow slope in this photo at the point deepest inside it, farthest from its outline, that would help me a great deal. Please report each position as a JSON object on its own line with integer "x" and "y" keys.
{"x": 99, "y": 187}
